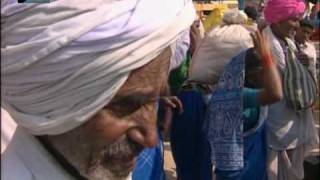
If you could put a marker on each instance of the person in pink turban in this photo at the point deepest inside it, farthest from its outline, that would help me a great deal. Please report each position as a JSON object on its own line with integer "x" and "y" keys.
{"x": 280, "y": 10}
{"x": 284, "y": 16}
{"x": 290, "y": 134}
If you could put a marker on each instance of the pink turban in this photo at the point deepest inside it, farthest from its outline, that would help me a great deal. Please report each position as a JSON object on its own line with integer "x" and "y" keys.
{"x": 279, "y": 10}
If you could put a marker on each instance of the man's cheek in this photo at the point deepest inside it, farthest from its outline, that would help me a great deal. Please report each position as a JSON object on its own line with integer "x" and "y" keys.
{"x": 149, "y": 114}
{"x": 108, "y": 130}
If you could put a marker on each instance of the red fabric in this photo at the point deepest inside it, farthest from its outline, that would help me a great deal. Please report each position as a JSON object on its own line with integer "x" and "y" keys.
{"x": 267, "y": 61}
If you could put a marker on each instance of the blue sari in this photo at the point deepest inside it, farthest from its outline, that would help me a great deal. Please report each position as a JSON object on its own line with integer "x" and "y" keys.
{"x": 149, "y": 164}
{"x": 237, "y": 155}
{"x": 255, "y": 158}
{"x": 190, "y": 148}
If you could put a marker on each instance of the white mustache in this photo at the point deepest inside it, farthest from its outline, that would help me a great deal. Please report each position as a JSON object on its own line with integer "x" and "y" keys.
{"x": 125, "y": 147}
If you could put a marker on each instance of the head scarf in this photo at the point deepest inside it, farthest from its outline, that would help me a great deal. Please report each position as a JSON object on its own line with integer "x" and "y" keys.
{"x": 280, "y": 10}
{"x": 225, "y": 117}
{"x": 62, "y": 62}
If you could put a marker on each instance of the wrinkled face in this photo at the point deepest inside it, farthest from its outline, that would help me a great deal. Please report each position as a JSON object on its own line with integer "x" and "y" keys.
{"x": 105, "y": 147}
{"x": 288, "y": 27}
{"x": 303, "y": 34}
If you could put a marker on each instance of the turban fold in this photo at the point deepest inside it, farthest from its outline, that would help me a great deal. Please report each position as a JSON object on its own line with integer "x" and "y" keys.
{"x": 62, "y": 62}
{"x": 279, "y": 10}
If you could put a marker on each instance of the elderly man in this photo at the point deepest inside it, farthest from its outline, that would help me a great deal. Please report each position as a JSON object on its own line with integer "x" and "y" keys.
{"x": 81, "y": 79}
{"x": 290, "y": 132}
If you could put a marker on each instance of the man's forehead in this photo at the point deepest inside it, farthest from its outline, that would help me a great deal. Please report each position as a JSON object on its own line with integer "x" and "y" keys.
{"x": 137, "y": 92}
{"x": 149, "y": 77}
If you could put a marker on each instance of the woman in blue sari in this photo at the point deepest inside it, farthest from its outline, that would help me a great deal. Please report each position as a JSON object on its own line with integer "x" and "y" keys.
{"x": 237, "y": 112}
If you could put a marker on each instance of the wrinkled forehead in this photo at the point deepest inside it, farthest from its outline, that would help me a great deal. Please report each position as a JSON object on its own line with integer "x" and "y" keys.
{"x": 150, "y": 78}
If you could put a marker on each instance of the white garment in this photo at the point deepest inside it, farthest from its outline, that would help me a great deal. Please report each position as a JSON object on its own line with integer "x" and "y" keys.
{"x": 275, "y": 48}
{"x": 179, "y": 49}
{"x": 309, "y": 49}
{"x": 26, "y": 159}
{"x": 59, "y": 70}
{"x": 284, "y": 165}
{"x": 286, "y": 128}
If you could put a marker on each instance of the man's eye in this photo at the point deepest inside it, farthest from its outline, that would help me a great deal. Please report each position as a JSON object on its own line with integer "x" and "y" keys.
{"x": 128, "y": 105}
{"x": 124, "y": 105}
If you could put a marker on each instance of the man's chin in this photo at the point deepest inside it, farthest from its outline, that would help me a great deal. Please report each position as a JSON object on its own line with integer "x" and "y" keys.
{"x": 121, "y": 169}
{"x": 110, "y": 177}
{"x": 111, "y": 171}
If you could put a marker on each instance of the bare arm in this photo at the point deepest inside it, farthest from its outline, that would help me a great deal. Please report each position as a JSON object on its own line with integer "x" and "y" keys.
{"x": 195, "y": 37}
{"x": 272, "y": 86}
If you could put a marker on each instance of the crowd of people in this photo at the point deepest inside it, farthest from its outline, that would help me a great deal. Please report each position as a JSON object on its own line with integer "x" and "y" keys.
{"x": 91, "y": 89}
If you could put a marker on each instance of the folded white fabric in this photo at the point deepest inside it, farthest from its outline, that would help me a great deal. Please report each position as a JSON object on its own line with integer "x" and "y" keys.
{"x": 64, "y": 61}
{"x": 219, "y": 46}
{"x": 8, "y": 127}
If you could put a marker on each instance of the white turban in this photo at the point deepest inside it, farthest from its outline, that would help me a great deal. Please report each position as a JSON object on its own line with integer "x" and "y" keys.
{"x": 64, "y": 61}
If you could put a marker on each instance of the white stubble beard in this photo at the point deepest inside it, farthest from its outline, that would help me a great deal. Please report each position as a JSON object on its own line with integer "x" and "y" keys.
{"x": 101, "y": 173}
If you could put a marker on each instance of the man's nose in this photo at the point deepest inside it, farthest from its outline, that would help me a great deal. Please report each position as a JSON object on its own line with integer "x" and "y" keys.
{"x": 145, "y": 134}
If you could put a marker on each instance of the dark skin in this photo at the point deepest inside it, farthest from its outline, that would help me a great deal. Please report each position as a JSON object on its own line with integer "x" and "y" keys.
{"x": 285, "y": 28}
{"x": 168, "y": 103}
{"x": 302, "y": 36}
{"x": 271, "y": 90}
{"x": 195, "y": 37}
{"x": 117, "y": 133}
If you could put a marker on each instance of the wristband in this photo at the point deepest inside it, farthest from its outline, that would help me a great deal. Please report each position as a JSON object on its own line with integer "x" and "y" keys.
{"x": 267, "y": 60}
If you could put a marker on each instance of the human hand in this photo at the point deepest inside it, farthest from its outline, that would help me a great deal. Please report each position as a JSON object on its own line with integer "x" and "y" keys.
{"x": 195, "y": 37}
{"x": 261, "y": 45}
{"x": 168, "y": 102}
{"x": 165, "y": 123}
{"x": 172, "y": 102}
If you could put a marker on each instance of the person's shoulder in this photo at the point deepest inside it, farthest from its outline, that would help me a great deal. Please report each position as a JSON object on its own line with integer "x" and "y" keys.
{"x": 310, "y": 45}
{"x": 291, "y": 43}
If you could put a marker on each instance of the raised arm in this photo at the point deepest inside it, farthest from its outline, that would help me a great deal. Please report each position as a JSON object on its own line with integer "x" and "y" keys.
{"x": 271, "y": 83}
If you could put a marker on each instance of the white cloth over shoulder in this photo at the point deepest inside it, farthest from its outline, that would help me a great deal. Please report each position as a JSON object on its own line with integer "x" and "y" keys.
{"x": 275, "y": 48}
{"x": 288, "y": 129}
{"x": 64, "y": 61}
{"x": 25, "y": 158}
{"x": 20, "y": 151}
